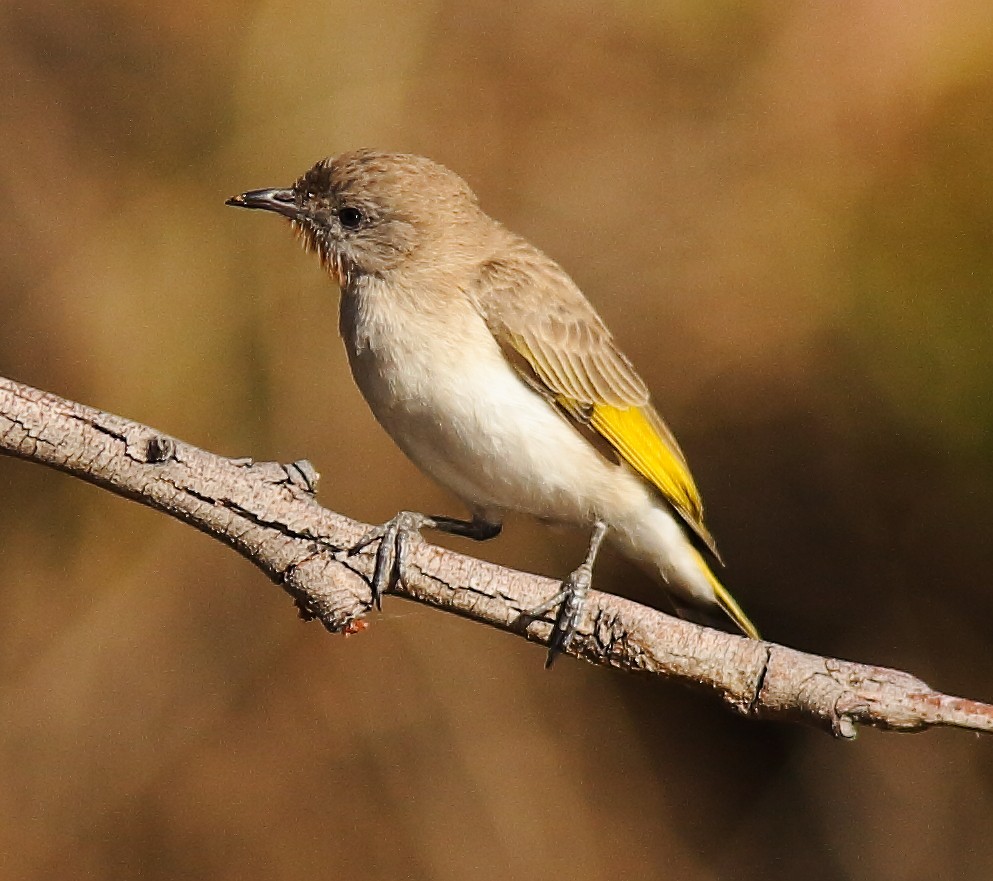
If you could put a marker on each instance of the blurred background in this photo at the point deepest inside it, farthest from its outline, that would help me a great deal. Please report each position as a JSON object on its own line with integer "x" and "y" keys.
{"x": 785, "y": 212}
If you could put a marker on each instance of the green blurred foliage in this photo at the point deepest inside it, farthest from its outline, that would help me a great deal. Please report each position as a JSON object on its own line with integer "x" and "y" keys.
{"x": 784, "y": 212}
{"x": 922, "y": 275}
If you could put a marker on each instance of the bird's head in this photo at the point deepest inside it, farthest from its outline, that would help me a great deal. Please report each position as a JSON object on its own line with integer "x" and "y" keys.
{"x": 368, "y": 213}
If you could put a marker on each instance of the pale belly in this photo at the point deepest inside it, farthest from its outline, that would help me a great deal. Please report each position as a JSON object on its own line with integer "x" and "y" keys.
{"x": 443, "y": 390}
{"x": 461, "y": 414}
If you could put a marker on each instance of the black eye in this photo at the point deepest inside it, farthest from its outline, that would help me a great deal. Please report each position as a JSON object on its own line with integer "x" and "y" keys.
{"x": 351, "y": 218}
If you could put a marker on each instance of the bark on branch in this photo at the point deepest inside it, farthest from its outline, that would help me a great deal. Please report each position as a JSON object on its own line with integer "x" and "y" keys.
{"x": 267, "y": 512}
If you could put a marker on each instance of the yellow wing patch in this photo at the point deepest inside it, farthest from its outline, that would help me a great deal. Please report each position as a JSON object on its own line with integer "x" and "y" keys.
{"x": 632, "y": 434}
{"x": 555, "y": 340}
{"x": 576, "y": 366}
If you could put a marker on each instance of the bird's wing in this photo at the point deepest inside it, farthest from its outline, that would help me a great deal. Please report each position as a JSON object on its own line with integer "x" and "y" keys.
{"x": 559, "y": 344}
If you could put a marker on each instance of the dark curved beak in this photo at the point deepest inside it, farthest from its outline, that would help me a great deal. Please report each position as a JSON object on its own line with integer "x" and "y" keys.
{"x": 282, "y": 201}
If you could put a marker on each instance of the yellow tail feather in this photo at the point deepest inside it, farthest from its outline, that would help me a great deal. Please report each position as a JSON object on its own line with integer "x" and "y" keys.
{"x": 728, "y": 602}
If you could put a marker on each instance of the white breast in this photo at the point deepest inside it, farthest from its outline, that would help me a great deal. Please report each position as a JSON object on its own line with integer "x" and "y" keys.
{"x": 439, "y": 384}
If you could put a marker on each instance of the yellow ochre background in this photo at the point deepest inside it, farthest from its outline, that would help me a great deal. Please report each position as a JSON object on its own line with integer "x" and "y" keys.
{"x": 785, "y": 212}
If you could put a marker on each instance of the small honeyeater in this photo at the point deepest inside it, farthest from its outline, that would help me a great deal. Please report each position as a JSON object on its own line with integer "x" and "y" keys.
{"x": 488, "y": 367}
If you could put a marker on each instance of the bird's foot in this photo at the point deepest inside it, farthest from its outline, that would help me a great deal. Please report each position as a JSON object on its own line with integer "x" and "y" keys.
{"x": 394, "y": 538}
{"x": 570, "y": 598}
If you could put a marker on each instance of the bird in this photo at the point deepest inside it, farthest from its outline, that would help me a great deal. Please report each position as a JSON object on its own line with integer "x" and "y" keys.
{"x": 496, "y": 376}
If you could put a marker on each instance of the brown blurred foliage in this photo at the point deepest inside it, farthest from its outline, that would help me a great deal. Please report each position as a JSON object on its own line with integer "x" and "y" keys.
{"x": 786, "y": 213}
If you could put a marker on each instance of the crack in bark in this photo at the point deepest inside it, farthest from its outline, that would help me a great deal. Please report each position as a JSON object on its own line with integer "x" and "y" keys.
{"x": 760, "y": 682}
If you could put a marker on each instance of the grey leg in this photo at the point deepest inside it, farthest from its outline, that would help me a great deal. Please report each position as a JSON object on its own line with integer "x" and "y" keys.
{"x": 571, "y": 598}
{"x": 394, "y": 539}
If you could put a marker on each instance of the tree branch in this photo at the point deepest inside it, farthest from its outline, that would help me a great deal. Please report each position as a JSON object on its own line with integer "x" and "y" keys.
{"x": 266, "y": 511}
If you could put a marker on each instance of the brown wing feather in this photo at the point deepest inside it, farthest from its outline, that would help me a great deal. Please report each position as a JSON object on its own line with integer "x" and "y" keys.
{"x": 529, "y": 300}
{"x": 533, "y": 308}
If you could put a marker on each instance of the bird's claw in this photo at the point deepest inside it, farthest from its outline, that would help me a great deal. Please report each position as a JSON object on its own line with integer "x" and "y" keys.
{"x": 570, "y": 598}
{"x": 391, "y": 556}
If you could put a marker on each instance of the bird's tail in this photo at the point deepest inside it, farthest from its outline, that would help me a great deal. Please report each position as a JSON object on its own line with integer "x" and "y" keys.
{"x": 726, "y": 601}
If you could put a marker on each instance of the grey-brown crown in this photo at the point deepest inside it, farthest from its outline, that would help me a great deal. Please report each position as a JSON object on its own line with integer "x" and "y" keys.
{"x": 366, "y": 211}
